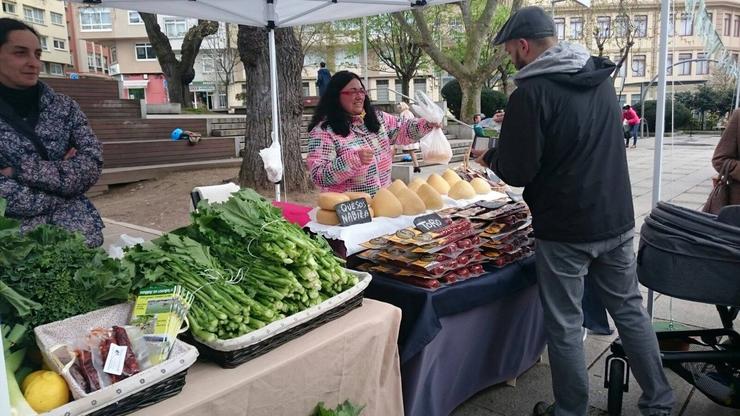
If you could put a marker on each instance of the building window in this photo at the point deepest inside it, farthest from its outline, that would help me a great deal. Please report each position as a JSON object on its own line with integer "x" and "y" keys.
{"x": 306, "y": 89}
{"x": 56, "y": 69}
{"x": 669, "y": 65}
{"x": 638, "y": 66}
{"x": 560, "y": 27}
{"x": 9, "y": 7}
{"x": 208, "y": 65}
{"x": 134, "y": 18}
{"x": 641, "y": 25}
{"x": 622, "y": 69}
{"x": 671, "y": 25}
{"x": 95, "y": 19}
{"x": 145, "y": 52}
{"x": 603, "y": 26}
{"x": 621, "y": 26}
{"x": 685, "y": 67}
{"x": 702, "y": 67}
{"x": 576, "y": 27}
{"x": 686, "y": 25}
{"x": 381, "y": 89}
{"x": 57, "y": 19}
{"x": 737, "y": 27}
{"x": 622, "y": 100}
{"x": 175, "y": 28}
{"x": 420, "y": 84}
{"x": 90, "y": 63}
{"x": 33, "y": 15}
{"x": 98, "y": 61}
{"x": 728, "y": 24}
{"x": 113, "y": 54}
{"x": 636, "y": 99}
{"x": 60, "y": 44}
{"x": 734, "y": 57}
{"x": 43, "y": 42}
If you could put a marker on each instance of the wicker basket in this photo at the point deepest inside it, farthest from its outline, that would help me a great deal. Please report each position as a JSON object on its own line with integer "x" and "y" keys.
{"x": 150, "y": 386}
{"x": 235, "y": 352}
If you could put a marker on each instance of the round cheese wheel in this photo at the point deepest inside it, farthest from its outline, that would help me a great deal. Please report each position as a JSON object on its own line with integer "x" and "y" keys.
{"x": 438, "y": 183}
{"x": 481, "y": 186}
{"x": 326, "y": 217}
{"x": 416, "y": 183}
{"x": 451, "y": 177}
{"x": 462, "y": 190}
{"x": 431, "y": 198}
{"x": 327, "y": 200}
{"x": 358, "y": 195}
{"x": 385, "y": 204}
{"x": 397, "y": 186}
{"x": 412, "y": 204}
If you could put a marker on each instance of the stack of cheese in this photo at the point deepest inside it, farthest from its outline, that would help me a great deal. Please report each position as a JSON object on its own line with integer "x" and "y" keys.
{"x": 399, "y": 199}
{"x": 452, "y": 185}
{"x": 327, "y": 214}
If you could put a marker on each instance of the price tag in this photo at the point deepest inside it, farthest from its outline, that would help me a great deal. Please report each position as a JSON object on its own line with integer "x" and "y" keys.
{"x": 353, "y": 212}
{"x": 116, "y": 358}
{"x": 430, "y": 222}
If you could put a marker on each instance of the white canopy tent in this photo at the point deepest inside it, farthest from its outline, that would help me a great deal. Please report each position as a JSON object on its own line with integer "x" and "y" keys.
{"x": 270, "y": 14}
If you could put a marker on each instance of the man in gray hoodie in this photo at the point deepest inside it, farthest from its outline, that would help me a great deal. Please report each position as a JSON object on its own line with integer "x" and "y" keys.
{"x": 561, "y": 140}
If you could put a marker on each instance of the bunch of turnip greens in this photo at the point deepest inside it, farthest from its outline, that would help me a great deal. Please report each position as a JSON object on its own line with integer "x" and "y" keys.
{"x": 246, "y": 263}
{"x": 50, "y": 274}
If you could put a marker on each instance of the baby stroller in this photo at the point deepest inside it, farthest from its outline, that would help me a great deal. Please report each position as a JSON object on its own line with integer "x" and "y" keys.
{"x": 693, "y": 256}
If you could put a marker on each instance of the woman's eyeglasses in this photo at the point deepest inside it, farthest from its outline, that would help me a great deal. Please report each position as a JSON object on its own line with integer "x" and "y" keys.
{"x": 352, "y": 93}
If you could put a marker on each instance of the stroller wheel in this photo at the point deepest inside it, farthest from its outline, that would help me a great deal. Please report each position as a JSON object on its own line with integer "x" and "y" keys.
{"x": 616, "y": 385}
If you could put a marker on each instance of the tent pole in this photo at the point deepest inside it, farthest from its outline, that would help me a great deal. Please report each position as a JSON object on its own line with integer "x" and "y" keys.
{"x": 364, "y": 51}
{"x": 660, "y": 115}
{"x": 274, "y": 93}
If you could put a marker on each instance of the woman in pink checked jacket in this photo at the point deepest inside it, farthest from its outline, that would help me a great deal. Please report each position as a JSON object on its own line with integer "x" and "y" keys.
{"x": 349, "y": 144}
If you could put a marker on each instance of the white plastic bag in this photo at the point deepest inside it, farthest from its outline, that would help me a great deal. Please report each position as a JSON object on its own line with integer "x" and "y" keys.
{"x": 434, "y": 146}
{"x": 115, "y": 250}
{"x": 272, "y": 161}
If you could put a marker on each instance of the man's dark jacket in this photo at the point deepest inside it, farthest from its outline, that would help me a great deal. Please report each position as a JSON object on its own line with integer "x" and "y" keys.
{"x": 561, "y": 140}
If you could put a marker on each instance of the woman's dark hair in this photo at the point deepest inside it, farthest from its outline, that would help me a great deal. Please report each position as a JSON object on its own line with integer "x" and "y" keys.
{"x": 330, "y": 111}
{"x": 8, "y": 25}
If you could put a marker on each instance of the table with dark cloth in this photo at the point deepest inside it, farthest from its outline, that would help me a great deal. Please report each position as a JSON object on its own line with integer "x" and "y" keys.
{"x": 460, "y": 339}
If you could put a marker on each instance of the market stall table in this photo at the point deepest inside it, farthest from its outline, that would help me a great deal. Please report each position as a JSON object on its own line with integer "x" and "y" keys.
{"x": 462, "y": 338}
{"x": 354, "y": 358}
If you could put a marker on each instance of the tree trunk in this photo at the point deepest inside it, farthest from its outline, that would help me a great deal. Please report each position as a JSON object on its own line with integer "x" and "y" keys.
{"x": 470, "y": 104}
{"x": 253, "y": 49}
{"x": 405, "y": 87}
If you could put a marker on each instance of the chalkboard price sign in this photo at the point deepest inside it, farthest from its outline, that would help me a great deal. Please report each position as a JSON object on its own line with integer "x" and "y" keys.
{"x": 431, "y": 222}
{"x": 353, "y": 212}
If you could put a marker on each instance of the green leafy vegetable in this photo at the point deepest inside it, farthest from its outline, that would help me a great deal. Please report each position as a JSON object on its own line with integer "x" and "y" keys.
{"x": 344, "y": 409}
{"x": 246, "y": 263}
{"x": 51, "y": 274}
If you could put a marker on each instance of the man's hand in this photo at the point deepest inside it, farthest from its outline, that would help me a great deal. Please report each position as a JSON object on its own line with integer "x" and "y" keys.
{"x": 72, "y": 152}
{"x": 480, "y": 160}
{"x": 366, "y": 155}
{"x": 7, "y": 172}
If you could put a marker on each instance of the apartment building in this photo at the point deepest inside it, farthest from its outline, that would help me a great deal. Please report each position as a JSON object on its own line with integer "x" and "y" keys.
{"x": 383, "y": 82}
{"x": 576, "y": 23}
{"x": 47, "y": 17}
{"x": 133, "y": 61}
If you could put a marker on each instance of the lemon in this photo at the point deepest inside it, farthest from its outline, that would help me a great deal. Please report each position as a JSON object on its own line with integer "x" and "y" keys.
{"x": 45, "y": 390}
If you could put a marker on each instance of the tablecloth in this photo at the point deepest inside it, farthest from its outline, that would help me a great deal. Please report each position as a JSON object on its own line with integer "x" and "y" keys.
{"x": 462, "y": 338}
{"x": 422, "y": 308}
{"x": 354, "y": 357}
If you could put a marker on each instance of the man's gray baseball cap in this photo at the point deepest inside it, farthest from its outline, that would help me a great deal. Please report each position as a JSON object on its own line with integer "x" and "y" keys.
{"x": 528, "y": 23}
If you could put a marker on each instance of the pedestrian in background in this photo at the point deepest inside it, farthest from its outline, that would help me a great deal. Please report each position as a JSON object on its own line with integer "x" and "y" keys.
{"x": 322, "y": 79}
{"x": 633, "y": 124}
{"x": 409, "y": 149}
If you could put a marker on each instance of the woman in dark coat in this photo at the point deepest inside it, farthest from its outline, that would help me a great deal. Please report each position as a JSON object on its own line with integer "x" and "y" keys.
{"x": 49, "y": 156}
{"x": 728, "y": 151}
